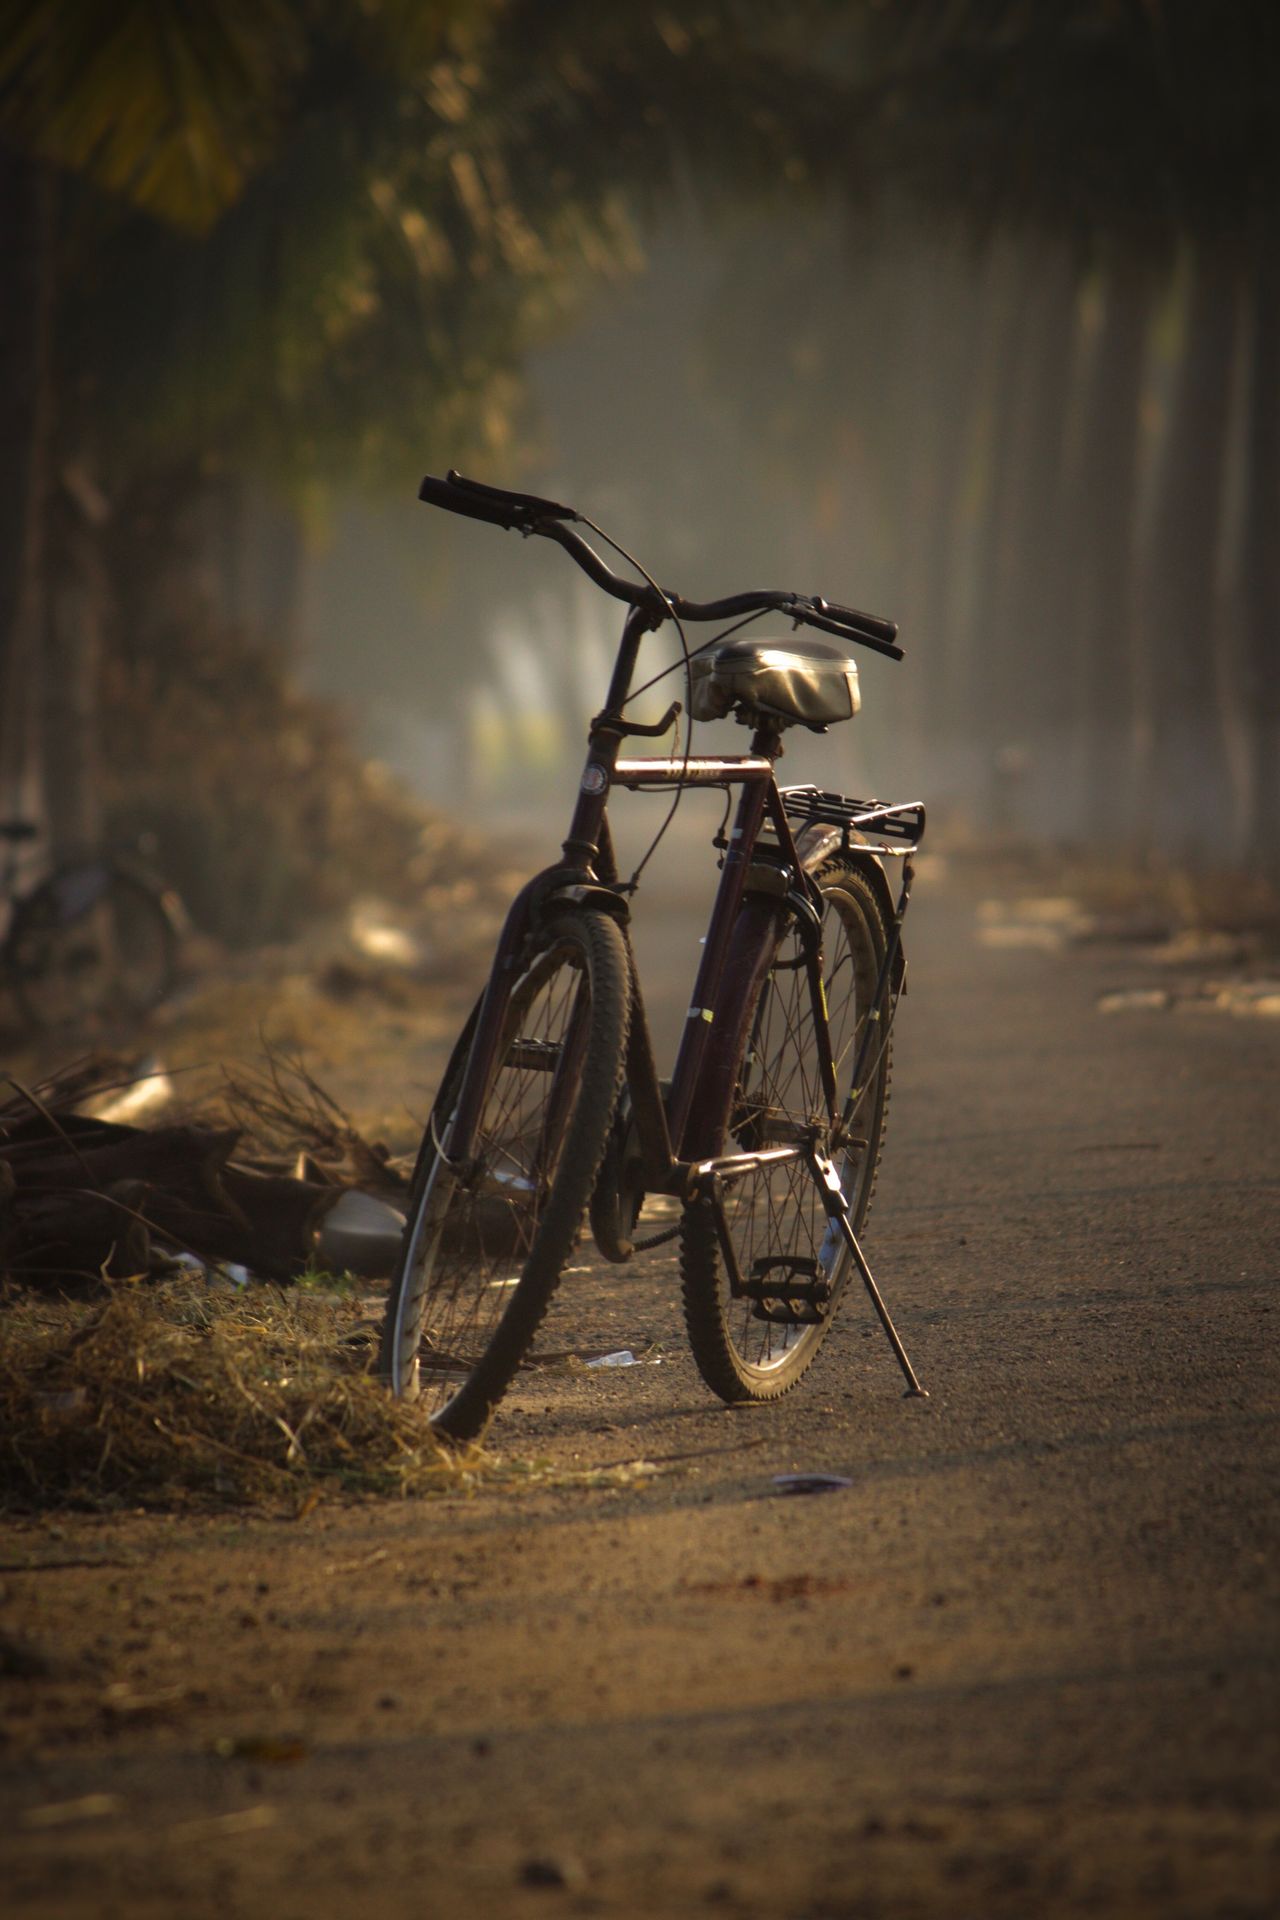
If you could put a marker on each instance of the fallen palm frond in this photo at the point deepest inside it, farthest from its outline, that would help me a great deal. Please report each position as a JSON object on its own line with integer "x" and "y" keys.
{"x": 82, "y": 1196}
{"x": 60, "y": 1091}
{"x": 281, "y": 1109}
{"x": 180, "y": 1393}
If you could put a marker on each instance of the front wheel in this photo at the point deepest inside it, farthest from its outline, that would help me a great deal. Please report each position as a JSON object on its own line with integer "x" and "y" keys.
{"x": 757, "y": 1348}
{"x": 485, "y": 1242}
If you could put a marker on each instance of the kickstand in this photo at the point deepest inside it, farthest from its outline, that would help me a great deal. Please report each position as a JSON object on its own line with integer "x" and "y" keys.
{"x": 837, "y": 1207}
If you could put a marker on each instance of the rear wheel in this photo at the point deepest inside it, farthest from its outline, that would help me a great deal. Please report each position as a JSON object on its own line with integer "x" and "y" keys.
{"x": 485, "y": 1243}
{"x": 93, "y": 945}
{"x": 757, "y": 1349}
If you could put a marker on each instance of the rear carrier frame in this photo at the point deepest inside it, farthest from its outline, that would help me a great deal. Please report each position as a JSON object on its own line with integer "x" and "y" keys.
{"x": 902, "y": 825}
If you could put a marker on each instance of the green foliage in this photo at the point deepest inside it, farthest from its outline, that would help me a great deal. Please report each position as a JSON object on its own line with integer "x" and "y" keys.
{"x": 1113, "y": 123}
{"x": 172, "y": 106}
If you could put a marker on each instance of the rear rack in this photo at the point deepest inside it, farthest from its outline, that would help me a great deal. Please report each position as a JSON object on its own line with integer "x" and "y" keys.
{"x": 903, "y": 823}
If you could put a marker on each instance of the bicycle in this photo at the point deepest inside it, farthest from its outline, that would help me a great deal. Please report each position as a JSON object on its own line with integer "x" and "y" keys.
{"x": 769, "y": 1129}
{"x": 95, "y": 939}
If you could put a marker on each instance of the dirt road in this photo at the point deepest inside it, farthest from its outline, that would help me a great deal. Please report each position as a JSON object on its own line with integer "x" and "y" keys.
{"x": 1024, "y": 1665}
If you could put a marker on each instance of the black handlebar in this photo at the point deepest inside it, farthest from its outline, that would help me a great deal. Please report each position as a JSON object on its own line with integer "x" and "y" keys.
{"x": 528, "y": 513}
{"x": 493, "y": 504}
{"x": 870, "y": 624}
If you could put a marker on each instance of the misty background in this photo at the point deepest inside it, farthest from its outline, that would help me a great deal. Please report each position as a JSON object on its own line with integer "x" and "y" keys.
{"x": 966, "y": 314}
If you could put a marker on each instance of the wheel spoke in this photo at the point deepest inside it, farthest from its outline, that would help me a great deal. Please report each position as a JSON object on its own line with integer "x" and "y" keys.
{"x": 486, "y": 1246}
{"x": 775, "y": 1213}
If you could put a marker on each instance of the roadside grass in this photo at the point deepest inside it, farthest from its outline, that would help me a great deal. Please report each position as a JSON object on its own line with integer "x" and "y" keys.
{"x": 192, "y": 1395}
{"x": 187, "y": 1393}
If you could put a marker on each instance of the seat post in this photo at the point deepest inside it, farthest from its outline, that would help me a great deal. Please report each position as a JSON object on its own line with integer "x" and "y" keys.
{"x": 767, "y": 738}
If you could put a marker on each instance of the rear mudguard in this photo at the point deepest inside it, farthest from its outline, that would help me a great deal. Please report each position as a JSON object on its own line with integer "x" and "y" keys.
{"x": 751, "y": 953}
{"x": 819, "y": 843}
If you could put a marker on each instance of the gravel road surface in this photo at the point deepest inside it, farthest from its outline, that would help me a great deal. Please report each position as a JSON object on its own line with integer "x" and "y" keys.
{"x": 1024, "y": 1664}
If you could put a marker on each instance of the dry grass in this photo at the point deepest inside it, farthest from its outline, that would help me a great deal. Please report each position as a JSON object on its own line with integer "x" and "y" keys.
{"x": 186, "y": 1394}
{"x": 1185, "y": 897}
{"x": 1155, "y": 894}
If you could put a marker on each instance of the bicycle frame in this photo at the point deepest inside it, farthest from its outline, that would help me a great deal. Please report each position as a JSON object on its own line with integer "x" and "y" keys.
{"x": 676, "y": 1134}
{"x": 671, "y": 1144}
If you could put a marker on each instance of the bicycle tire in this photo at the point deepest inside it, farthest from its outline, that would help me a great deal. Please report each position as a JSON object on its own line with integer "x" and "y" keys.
{"x": 777, "y": 1211}
{"x": 459, "y": 1318}
{"x": 94, "y": 944}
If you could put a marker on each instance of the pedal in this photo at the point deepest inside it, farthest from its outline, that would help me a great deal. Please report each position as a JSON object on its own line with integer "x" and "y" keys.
{"x": 788, "y": 1313}
{"x": 799, "y": 1300}
{"x": 536, "y": 1056}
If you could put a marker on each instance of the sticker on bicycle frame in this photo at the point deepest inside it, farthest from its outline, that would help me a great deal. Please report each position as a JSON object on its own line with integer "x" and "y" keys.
{"x": 700, "y": 1013}
{"x": 594, "y": 778}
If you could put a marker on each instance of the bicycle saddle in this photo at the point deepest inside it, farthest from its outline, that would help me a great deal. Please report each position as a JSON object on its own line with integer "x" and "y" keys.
{"x": 804, "y": 681}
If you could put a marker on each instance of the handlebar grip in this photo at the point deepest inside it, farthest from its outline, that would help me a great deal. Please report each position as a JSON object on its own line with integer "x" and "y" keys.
{"x": 528, "y": 504}
{"x": 844, "y": 631}
{"x": 867, "y": 623}
{"x": 439, "y": 493}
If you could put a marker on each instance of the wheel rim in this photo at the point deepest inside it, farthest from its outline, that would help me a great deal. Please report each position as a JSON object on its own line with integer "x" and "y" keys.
{"x": 776, "y": 1211}
{"x": 473, "y": 1234}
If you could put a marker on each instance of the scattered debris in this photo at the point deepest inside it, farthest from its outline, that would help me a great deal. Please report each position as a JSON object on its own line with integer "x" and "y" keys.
{"x": 379, "y": 934}
{"x": 270, "y": 1750}
{"x": 85, "y": 1199}
{"x": 23, "y": 1660}
{"x": 756, "y": 1586}
{"x": 122, "y": 1701}
{"x": 623, "y": 1358}
{"x": 219, "y": 1825}
{"x": 562, "y": 1870}
{"x": 1196, "y": 946}
{"x": 1043, "y": 922}
{"x": 145, "y": 1094}
{"x": 810, "y": 1482}
{"x": 69, "y": 1813}
{"x": 1259, "y": 999}
{"x": 360, "y": 1235}
{"x": 1245, "y": 999}
{"x": 1135, "y": 1000}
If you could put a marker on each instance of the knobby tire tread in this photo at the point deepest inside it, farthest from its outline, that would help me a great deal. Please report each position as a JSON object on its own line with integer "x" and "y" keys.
{"x": 465, "y": 1415}
{"x": 701, "y": 1269}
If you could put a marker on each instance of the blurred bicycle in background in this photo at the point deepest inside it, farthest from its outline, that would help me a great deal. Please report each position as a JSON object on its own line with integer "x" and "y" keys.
{"x": 94, "y": 943}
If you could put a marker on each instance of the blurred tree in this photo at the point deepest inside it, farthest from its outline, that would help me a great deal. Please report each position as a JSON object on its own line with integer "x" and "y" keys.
{"x": 1186, "y": 801}
{"x": 308, "y": 239}
{"x": 302, "y": 241}
{"x": 26, "y": 402}
{"x": 1104, "y": 525}
{"x": 1136, "y": 133}
{"x": 171, "y": 108}
{"x": 174, "y": 111}
{"x": 1260, "y": 563}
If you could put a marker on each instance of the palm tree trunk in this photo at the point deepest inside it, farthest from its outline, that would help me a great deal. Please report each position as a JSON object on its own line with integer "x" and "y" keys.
{"x": 1188, "y": 805}
{"x": 1260, "y": 565}
{"x": 1007, "y": 323}
{"x": 959, "y": 307}
{"x": 73, "y": 670}
{"x": 28, "y": 216}
{"x": 1028, "y": 669}
{"x": 1107, "y": 519}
